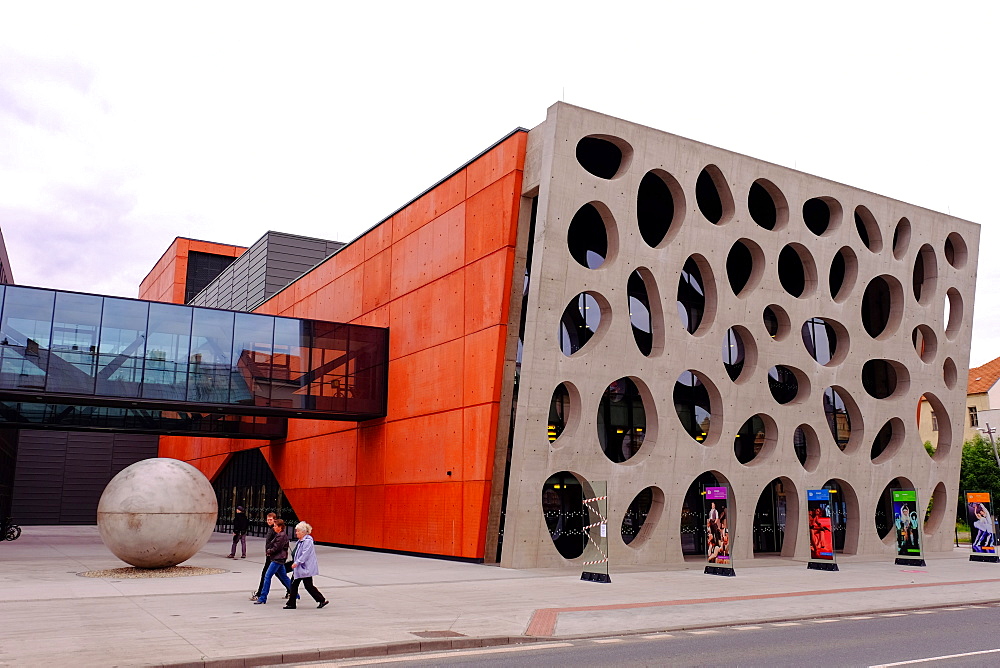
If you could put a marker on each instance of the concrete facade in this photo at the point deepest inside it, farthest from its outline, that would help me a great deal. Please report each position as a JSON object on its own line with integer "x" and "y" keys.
{"x": 924, "y": 261}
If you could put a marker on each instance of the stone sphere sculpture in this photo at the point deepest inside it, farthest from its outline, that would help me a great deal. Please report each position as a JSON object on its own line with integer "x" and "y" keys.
{"x": 157, "y": 513}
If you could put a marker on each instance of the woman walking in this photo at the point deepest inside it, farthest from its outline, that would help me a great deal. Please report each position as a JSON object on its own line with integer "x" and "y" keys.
{"x": 304, "y": 567}
{"x": 277, "y": 552}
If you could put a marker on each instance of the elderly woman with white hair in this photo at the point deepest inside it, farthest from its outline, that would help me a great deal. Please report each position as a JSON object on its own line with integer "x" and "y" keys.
{"x": 304, "y": 567}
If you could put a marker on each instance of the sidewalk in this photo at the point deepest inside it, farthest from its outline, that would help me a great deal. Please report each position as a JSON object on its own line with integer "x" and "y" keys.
{"x": 385, "y": 603}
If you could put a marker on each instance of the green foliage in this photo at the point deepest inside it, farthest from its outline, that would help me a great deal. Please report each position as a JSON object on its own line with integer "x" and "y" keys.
{"x": 979, "y": 469}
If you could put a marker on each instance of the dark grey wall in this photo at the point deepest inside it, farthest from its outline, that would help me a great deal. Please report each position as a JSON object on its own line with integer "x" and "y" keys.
{"x": 60, "y": 475}
{"x": 269, "y": 265}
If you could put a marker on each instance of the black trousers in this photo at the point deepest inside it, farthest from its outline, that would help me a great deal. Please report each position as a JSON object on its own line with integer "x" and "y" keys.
{"x": 308, "y": 584}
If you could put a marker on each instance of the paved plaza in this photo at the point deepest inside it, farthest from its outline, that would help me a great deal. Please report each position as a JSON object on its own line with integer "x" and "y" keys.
{"x": 387, "y": 603}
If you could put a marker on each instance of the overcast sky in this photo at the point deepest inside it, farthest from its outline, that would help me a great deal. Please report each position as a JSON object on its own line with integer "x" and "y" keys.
{"x": 125, "y": 125}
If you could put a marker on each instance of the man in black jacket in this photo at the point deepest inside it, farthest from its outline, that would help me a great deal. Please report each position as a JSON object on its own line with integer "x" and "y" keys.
{"x": 241, "y": 525}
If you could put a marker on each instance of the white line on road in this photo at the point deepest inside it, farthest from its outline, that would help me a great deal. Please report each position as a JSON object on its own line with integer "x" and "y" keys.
{"x": 936, "y": 658}
{"x": 443, "y": 655}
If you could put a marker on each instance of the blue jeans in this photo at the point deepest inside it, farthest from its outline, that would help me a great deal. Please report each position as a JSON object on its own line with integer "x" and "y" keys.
{"x": 275, "y": 568}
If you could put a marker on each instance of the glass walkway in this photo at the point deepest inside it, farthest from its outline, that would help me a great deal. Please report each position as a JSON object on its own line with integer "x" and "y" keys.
{"x": 70, "y": 360}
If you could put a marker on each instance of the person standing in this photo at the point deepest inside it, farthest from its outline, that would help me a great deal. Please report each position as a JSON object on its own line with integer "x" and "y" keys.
{"x": 241, "y": 525}
{"x": 277, "y": 554}
{"x": 304, "y": 567}
{"x": 268, "y": 539}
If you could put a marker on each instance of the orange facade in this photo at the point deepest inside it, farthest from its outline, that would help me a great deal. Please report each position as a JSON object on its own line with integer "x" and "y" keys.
{"x": 438, "y": 274}
{"x": 167, "y": 280}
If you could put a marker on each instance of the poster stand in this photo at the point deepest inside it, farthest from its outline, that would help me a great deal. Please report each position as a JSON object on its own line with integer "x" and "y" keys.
{"x": 596, "y": 553}
{"x": 822, "y": 555}
{"x": 909, "y": 530}
{"x": 718, "y": 544}
{"x": 982, "y": 523}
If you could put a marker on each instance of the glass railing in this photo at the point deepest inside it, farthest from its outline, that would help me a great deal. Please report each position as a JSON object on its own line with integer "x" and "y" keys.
{"x": 79, "y": 349}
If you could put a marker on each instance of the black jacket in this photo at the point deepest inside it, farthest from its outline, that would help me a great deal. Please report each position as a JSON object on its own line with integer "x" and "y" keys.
{"x": 278, "y": 551}
{"x": 241, "y": 523}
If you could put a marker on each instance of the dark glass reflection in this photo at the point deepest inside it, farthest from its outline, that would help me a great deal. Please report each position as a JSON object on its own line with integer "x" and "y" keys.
{"x": 579, "y": 323}
{"x": 562, "y": 510}
{"x": 25, "y": 328}
{"x": 882, "y": 439}
{"x": 820, "y": 339}
{"x": 588, "y": 237}
{"x": 638, "y": 311}
{"x": 621, "y": 420}
{"x": 690, "y": 296}
{"x": 79, "y": 349}
{"x": 558, "y": 411}
{"x": 693, "y": 406}
{"x": 783, "y": 384}
{"x": 836, "y": 417}
{"x": 750, "y": 439}
{"x": 800, "y": 445}
{"x": 73, "y": 351}
{"x": 636, "y": 514}
{"x": 733, "y": 353}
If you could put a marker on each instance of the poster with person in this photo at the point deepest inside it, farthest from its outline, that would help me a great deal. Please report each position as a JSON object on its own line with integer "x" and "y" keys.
{"x": 821, "y": 552}
{"x": 982, "y": 527}
{"x": 907, "y": 523}
{"x": 718, "y": 549}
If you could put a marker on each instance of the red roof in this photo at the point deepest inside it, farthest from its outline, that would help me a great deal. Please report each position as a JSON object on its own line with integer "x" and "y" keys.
{"x": 982, "y": 378}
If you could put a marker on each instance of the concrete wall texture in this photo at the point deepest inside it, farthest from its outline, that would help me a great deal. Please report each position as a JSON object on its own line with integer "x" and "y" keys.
{"x": 909, "y": 270}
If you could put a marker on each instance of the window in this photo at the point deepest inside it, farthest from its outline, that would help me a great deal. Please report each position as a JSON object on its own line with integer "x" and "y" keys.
{"x": 973, "y": 417}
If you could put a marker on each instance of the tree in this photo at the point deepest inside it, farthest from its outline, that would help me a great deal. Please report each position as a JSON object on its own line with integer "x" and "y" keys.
{"x": 979, "y": 469}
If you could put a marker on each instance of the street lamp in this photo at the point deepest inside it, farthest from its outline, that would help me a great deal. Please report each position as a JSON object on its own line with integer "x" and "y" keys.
{"x": 989, "y": 431}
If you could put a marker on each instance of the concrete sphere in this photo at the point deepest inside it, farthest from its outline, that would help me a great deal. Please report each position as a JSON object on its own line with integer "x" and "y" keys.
{"x": 157, "y": 513}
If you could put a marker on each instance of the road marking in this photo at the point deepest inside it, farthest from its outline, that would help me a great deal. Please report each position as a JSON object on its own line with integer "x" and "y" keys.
{"x": 745, "y": 628}
{"x": 658, "y": 636}
{"x": 936, "y": 658}
{"x": 444, "y": 655}
{"x": 787, "y": 624}
{"x": 703, "y": 632}
{"x": 605, "y": 641}
{"x": 823, "y": 621}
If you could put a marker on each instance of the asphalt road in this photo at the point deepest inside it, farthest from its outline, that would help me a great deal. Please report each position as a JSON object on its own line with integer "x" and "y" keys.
{"x": 955, "y": 636}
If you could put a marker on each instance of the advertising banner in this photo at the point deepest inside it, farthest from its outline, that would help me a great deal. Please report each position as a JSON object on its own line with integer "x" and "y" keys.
{"x": 821, "y": 553}
{"x": 981, "y": 526}
{"x": 717, "y": 531}
{"x": 906, "y": 519}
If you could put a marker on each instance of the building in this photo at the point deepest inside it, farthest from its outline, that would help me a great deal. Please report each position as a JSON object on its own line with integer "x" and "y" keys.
{"x": 594, "y": 308}
{"x": 982, "y": 395}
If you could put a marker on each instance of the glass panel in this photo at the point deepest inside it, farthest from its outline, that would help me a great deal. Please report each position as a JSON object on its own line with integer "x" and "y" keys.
{"x": 73, "y": 358}
{"x": 24, "y": 337}
{"x": 290, "y": 363}
{"x": 122, "y": 347}
{"x": 253, "y": 345}
{"x": 210, "y": 361}
{"x": 167, "y": 347}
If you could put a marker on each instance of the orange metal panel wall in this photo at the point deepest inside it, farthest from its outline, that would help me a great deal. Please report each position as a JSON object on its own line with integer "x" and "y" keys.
{"x": 166, "y": 281}
{"x": 438, "y": 273}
